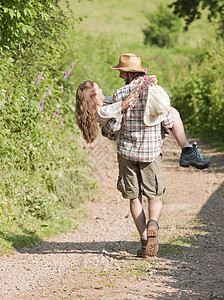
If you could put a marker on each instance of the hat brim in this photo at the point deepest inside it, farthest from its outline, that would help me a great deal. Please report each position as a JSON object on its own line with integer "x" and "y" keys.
{"x": 149, "y": 121}
{"x": 141, "y": 70}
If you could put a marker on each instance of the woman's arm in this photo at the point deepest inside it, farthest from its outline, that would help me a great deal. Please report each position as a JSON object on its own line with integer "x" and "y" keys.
{"x": 114, "y": 110}
{"x": 107, "y": 112}
{"x": 132, "y": 97}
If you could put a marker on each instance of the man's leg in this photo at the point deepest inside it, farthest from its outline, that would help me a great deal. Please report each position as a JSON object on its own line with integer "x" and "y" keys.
{"x": 129, "y": 185}
{"x": 190, "y": 155}
{"x": 153, "y": 188}
{"x": 155, "y": 208}
{"x": 138, "y": 215}
{"x": 148, "y": 234}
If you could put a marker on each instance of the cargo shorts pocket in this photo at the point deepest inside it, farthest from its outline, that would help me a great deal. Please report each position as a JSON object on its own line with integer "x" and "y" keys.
{"x": 160, "y": 185}
{"x": 120, "y": 184}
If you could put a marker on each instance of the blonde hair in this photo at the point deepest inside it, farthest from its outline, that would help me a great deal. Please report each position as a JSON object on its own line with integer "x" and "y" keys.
{"x": 86, "y": 110}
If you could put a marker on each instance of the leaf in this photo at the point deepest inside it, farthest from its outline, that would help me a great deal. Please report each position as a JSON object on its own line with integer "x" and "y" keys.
{"x": 30, "y": 13}
{"x": 44, "y": 16}
{"x": 24, "y": 29}
{"x": 11, "y": 13}
{"x": 27, "y": 29}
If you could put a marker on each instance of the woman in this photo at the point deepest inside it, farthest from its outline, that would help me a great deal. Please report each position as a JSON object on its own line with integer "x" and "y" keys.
{"x": 90, "y": 108}
{"x": 90, "y": 111}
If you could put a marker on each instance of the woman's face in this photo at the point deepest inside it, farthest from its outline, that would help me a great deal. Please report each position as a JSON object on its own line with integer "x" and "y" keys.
{"x": 99, "y": 95}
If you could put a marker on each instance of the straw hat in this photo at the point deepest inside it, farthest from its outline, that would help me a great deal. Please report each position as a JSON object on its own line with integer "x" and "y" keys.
{"x": 157, "y": 106}
{"x": 129, "y": 63}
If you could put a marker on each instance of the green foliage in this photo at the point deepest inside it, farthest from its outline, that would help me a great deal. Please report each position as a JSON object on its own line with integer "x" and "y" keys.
{"x": 43, "y": 173}
{"x": 20, "y": 20}
{"x": 172, "y": 67}
{"x": 198, "y": 94}
{"x": 96, "y": 54}
{"x": 191, "y": 10}
{"x": 41, "y": 165}
{"x": 163, "y": 28}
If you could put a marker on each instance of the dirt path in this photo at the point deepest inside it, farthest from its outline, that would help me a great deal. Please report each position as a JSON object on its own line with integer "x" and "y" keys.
{"x": 97, "y": 261}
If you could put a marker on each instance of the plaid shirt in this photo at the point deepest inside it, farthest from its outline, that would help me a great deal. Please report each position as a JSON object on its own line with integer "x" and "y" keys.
{"x": 137, "y": 141}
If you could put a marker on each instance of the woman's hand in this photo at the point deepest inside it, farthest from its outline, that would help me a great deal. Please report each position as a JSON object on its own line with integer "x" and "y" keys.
{"x": 132, "y": 97}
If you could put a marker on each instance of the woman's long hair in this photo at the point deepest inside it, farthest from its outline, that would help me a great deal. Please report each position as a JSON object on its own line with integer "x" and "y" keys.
{"x": 86, "y": 110}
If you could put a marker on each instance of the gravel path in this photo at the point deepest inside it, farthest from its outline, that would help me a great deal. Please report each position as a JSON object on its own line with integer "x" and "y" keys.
{"x": 97, "y": 260}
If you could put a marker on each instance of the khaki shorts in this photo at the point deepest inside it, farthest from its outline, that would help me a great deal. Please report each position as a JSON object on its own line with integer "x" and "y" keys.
{"x": 137, "y": 178}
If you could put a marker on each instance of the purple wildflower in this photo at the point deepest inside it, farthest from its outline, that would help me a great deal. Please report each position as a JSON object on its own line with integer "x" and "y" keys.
{"x": 38, "y": 80}
{"x": 149, "y": 80}
{"x": 46, "y": 95}
{"x": 58, "y": 112}
{"x": 49, "y": 89}
{"x": 70, "y": 69}
{"x": 42, "y": 105}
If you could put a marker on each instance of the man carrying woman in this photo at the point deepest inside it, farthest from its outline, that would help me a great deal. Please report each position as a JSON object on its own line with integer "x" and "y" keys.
{"x": 138, "y": 143}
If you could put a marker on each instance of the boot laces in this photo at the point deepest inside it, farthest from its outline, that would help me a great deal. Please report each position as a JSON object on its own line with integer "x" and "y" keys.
{"x": 196, "y": 152}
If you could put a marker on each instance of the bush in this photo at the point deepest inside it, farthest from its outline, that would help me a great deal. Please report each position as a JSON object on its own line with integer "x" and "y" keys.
{"x": 20, "y": 20}
{"x": 163, "y": 28}
{"x": 40, "y": 161}
{"x": 199, "y": 96}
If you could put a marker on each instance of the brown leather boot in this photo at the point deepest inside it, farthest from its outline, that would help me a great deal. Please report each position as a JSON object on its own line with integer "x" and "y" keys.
{"x": 142, "y": 251}
{"x": 152, "y": 246}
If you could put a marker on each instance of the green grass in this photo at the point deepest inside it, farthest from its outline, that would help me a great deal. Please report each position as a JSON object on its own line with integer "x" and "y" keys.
{"x": 14, "y": 235}
{"x": 112, "y": 28}
{"x": 26, "y": 218}
{"x": 123, "y": 22}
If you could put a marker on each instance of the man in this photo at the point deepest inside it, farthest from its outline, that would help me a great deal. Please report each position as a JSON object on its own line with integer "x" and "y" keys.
{"x": 139, "y": 155}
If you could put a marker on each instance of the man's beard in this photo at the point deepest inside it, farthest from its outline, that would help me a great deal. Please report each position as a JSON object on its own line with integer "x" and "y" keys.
{"x": 128, "y": 79}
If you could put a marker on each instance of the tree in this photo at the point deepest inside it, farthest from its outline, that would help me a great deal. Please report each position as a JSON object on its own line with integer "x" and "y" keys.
{"x": 191, "y": 10}
{"x": 163, "y": 28}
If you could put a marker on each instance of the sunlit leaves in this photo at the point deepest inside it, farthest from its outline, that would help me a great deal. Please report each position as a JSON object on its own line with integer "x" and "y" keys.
{"x": 163, "y": 27}
{"x": 19, "y": 19}
{"x": 191, "y": 10}
{"x": 199, "y": 93}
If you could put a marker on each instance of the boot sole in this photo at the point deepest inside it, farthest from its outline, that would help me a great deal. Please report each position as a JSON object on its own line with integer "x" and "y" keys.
{"x": 187, "y": 164}
{"x": 152, "y": 246}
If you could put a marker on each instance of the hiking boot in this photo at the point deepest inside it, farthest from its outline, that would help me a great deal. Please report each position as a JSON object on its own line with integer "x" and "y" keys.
{"x": 152, "y": 246}
{"x": 191, "y": 156}
{"x": 142, "y": 251}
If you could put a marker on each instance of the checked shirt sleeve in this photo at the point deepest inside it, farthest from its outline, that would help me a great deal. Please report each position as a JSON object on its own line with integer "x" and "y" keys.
{"x": 113, "y": 125}
{"x": 167, "y": 124}
{"x": 111, "y": 129}
{"x": 108, "y": 112}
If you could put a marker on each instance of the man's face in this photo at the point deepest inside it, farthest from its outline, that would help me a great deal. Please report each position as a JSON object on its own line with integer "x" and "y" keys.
{"x": 127, "y": 76}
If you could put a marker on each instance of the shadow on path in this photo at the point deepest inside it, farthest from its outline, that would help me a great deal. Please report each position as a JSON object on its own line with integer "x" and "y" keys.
{"x": 200, "y": 276}
{"x": 187, "y": 274}
{"x": 111, "y": 249}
